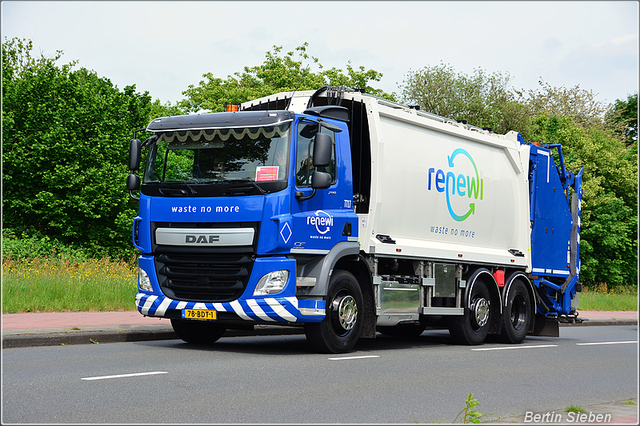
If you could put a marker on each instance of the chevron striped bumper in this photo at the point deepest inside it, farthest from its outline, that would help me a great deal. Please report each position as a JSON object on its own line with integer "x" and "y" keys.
{"x": 263, "y": 309}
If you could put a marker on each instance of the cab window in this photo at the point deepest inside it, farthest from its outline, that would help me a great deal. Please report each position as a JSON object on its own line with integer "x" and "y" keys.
{"x": 304, "y": 154}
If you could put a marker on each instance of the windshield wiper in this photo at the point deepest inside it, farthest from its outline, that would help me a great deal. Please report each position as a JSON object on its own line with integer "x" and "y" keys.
{"x": 242, "y": 181}
{"x": 170, "y": 190}
{"x": 193, "y": 191}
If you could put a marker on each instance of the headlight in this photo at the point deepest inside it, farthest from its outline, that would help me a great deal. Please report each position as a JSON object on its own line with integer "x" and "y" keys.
{"x": 271, "y": 283}
{"x": 143, "y": 280}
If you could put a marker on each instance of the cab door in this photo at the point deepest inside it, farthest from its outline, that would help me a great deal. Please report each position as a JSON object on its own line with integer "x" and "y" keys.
{"x": 319, "y": 215}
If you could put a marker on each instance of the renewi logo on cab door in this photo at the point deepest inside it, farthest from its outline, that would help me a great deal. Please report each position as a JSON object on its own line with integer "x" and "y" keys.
{"x": 318, "y": 231}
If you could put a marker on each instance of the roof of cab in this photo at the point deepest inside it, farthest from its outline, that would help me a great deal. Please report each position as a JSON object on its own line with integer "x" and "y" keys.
{"x": 220, "y": 120}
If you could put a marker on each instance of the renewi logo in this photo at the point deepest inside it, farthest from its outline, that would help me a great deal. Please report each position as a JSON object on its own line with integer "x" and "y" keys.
{"x": 322, "y": 220}
{"x": 458, "y": 185}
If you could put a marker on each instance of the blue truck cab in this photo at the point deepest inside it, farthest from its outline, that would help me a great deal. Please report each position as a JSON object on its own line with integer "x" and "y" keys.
{"x": 240, "y": 216}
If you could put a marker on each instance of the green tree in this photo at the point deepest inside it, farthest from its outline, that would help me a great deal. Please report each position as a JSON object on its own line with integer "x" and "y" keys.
{"x": 482, "y": 99}
{"x": 278, "y": 73}
{"x": 163, "y": 110}
{"x": 65, "y": 141}
{"x": 581, "y": 104}
{"x": 609, "y": 244}
{"x": 623, "y": 119}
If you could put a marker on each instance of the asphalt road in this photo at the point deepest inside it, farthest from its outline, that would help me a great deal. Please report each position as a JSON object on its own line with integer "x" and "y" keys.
{"x": 279, "y": 379}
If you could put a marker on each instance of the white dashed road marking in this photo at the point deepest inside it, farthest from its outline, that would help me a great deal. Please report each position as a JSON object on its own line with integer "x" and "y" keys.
{"x": 119, "y": 376}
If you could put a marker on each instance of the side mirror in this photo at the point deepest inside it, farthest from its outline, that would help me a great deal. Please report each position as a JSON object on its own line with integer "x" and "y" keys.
{"x": 320, "y": 180}
{"x": 134, "y": 155}
{"x": 133, "y": 184}
{"x": 322, "y": 149}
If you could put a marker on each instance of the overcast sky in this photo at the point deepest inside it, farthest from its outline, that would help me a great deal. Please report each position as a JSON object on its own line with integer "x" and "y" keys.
{"x": 162, "y": 47}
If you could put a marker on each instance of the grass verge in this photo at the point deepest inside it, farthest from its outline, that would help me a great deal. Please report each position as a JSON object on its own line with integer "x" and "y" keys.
{"x": 64, "y": 284}
{"x": 603, "y": 298}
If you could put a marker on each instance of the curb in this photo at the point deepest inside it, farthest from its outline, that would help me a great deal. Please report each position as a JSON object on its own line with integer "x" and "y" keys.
{"x": 599, "y": 322}
{"x": 87, "y": 337}
{"x": 134, "y": 334}
{"x": 61, "y": 337}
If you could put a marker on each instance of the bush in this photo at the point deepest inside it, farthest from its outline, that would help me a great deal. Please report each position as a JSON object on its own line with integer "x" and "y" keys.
{"x": 65, "y": 141}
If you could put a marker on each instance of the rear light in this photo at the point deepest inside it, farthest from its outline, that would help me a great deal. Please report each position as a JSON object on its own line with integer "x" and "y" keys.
{"x": 231, "y": 107}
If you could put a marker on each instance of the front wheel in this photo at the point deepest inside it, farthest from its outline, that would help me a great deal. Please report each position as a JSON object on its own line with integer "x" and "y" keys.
{"x": 472, "y": 327}
{"x": 517, "y": 313}
{"x": 198, "y": 332}
{"x": 340, "y": 329}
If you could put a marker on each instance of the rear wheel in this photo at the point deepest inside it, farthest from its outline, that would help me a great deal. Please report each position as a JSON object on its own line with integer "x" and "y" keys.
{"x": 340, "y": 329}
{"x": 472, "y": 327}
{"x": 198, "y": 332}
{"x": 517, "y": 313}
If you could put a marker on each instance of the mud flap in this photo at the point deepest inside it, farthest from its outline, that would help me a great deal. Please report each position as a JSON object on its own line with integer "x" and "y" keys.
{"x": 544, "y": 326}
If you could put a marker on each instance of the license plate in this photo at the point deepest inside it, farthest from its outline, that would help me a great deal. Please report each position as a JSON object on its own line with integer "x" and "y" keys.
{"x": 201, "y": 314}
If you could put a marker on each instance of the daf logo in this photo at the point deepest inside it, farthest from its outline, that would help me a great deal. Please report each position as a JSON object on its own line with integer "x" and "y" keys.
{"x": 201, "y": 239}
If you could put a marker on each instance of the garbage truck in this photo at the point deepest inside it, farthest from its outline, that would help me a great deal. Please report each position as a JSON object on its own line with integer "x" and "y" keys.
{"x": 349, "y": 215}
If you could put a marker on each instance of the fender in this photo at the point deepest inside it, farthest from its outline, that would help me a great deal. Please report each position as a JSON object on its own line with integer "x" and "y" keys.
{"x": 322, "y": 268}
{"x": 511, "y": 279}
{"x": 492, "y": 284}
{"x": 494, "y": 291}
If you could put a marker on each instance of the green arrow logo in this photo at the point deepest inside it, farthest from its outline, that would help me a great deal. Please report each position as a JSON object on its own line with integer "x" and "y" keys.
{"x": 472, "y": 206}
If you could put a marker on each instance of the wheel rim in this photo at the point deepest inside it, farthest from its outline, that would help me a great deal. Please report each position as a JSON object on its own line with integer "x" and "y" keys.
{"x": 345, "y": 313}
{"x": 480, "y": 309}
{"x": 518, "y": 312}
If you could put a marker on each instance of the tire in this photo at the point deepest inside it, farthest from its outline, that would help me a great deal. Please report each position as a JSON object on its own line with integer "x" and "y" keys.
{"x": 517, "y": 313}
{"x": 340, "y": 329}
{"x": 198, "y": 332}
{"x": 472, "y": 327}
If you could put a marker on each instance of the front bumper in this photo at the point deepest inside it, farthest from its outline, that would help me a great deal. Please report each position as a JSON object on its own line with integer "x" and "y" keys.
{"x": 262, "y": 309}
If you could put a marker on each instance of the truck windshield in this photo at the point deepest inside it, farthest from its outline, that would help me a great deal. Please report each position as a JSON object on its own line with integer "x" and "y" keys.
{"x": 216, "y": 156}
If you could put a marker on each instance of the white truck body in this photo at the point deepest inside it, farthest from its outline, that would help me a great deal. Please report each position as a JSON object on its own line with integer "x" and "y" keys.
{"x": 406, "y": 144}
